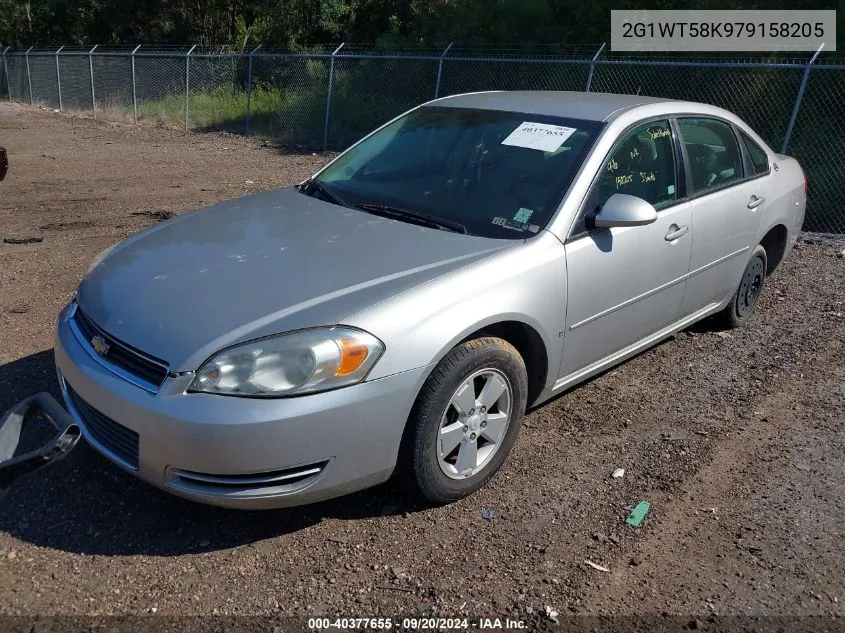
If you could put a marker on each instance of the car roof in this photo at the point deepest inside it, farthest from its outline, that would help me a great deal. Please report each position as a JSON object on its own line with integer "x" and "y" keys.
{"x": 589, "y": 106}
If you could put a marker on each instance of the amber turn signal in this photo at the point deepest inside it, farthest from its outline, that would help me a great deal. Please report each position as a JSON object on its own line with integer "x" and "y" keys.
{"x": 353, "y": 355}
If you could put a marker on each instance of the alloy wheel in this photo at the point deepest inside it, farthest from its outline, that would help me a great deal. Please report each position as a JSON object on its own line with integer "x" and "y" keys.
{"x": 474, "y": 424}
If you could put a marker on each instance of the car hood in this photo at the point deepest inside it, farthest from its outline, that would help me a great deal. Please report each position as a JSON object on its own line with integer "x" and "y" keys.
{"x": 259, "y": 265}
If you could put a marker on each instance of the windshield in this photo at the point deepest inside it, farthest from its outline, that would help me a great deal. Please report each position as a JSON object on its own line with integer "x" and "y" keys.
{"x": 486, "y": 172}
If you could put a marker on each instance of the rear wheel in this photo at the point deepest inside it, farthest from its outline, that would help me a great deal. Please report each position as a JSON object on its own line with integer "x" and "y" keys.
{"x": 465, "y": 420}
{"x": 742, "y": 304}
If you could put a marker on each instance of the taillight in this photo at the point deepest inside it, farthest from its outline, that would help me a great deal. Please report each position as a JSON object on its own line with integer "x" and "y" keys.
{"x": 806, "y": 184}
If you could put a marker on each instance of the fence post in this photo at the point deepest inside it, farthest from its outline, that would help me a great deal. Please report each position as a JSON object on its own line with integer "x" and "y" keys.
{"x": 249, "y": 88}
{"x": 6, "y": 74}
{"x": 187, "y": 82}
{"x": 798, "y": 99}
{"x": 329, "y": 98}
{"x": 593, "y": 66}
{"x": 134, "y": 94}
{"x": 91, "y": 72}
{"x": 28, "y": 76}
{"x": 440, "y": 70}
{"x": 59, "y": 77}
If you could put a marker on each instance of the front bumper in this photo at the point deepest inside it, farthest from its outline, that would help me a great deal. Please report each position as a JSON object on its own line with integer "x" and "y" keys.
{"x": 237, "y": 452}
{"x": 12, "y": 425}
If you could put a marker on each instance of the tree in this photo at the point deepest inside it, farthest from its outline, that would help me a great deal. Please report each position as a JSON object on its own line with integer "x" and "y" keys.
{"x": 301, "y": 24}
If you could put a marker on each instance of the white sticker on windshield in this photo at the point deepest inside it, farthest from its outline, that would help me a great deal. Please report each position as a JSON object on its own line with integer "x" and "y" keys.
{"x": 541, "y": 136}
{"x": 507, "y": 224}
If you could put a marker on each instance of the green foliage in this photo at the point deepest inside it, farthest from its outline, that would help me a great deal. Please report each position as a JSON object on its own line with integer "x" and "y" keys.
{"x": 286, "y": 115}
{"x": 304, "y": 24}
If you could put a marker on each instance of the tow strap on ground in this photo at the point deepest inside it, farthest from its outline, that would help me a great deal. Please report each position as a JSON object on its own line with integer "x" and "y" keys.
{"x": 13, "y": 423}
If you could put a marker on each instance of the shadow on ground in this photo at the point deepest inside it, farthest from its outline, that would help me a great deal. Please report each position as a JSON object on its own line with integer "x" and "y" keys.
{"x": 85, "y": 504}
{"x": 298, "y": 140}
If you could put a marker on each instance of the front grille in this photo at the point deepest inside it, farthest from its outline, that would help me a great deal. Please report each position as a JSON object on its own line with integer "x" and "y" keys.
{"x": 113, "y": 437}
{"x": 125, "y": 357}
{"x": 277, "y": 481}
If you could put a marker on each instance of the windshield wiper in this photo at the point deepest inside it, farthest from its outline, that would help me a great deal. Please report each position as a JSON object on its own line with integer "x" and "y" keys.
{"x": 311, "y": 186}
{"x": 416, "y": 217}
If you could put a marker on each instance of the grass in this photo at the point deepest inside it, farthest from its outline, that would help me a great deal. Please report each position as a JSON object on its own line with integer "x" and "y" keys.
{"x": 286, "y": 116}
{"x": 294, "y": 117}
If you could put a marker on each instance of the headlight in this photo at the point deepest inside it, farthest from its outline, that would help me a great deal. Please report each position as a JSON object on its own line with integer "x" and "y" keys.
{"x": 99, "y": 258}
{"x": 291, "y": 364}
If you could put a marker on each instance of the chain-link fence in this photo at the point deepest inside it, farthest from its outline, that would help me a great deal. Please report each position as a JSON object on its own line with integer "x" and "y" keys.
{"x": 329, "y": 99}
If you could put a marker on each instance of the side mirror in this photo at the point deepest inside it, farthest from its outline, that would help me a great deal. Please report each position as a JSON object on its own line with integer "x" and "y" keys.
{"x": 4, "y": 163}
{"x": 624, "y": 210}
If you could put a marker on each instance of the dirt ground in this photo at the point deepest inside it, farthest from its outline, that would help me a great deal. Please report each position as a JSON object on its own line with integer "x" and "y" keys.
{"x": 736, "y": 439}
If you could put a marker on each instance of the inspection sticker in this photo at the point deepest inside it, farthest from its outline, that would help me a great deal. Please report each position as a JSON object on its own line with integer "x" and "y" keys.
{"x": 523, "y": 215}
{"x": 541, "y": 136}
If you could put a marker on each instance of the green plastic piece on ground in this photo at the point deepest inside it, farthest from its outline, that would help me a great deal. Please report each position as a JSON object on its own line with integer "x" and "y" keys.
{"x": 638, "y": 513}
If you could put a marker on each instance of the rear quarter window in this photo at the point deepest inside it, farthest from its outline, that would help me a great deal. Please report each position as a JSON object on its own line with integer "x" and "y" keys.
{"x": 759, "y": 158}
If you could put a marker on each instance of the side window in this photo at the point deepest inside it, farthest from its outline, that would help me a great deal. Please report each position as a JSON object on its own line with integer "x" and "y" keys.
{"x": 642, "y": 164}
{"x": 759, "y": 158}
{"x": 714, "y": 157}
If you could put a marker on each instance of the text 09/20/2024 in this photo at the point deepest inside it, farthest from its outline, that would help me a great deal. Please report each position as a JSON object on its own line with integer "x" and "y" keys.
{"x": 415, "y": 624}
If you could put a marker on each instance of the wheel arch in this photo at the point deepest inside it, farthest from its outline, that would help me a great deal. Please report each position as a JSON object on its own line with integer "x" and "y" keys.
{"x": 774, "y": 242}
{"x": 524, "y": 336}
{"x": 530, "y": 346}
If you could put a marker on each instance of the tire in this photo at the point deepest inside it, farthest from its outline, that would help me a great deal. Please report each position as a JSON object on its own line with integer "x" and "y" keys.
{"x": 744, "y": 300}
{"x": 428, "y": 468}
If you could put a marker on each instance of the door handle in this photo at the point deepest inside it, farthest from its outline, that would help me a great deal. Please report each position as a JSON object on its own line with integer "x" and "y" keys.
{"x": 755, "y": 202}
{"x": 676, "y": 232}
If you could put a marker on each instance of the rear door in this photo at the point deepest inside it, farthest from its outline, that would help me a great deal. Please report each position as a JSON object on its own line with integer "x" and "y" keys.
{"x": 626, "y": 283}
{"x": 728, "y": 199}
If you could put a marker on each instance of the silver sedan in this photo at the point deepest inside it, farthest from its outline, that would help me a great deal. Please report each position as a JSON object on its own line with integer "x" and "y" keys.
{"x": 397, "y": 312}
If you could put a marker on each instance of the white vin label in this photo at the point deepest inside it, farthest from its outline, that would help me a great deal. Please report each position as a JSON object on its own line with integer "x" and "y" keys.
{"x": 541, "y": 136}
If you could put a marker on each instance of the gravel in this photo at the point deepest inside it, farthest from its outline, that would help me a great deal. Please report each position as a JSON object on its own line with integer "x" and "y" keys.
{"x": 736, "y": 439}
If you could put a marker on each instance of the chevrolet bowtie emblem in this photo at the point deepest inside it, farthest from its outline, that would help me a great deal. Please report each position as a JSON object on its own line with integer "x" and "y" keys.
{"x": 100, "y": 346}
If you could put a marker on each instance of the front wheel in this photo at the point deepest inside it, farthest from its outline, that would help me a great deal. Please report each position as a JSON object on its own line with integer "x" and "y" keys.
{"x": 465, "y": 420}
{"x": 742, "y": 304}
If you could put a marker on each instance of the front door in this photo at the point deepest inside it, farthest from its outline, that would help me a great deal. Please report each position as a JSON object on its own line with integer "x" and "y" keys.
{"x": 626, "y": 283}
